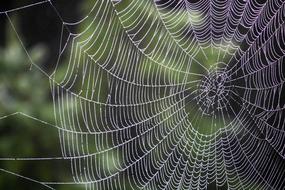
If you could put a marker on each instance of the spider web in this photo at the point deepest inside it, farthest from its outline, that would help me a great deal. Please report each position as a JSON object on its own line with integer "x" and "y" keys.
{"x": 170, "y": 94}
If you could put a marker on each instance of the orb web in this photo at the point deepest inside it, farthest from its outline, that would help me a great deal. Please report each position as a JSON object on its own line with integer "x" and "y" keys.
{"x": 171, "y": 94}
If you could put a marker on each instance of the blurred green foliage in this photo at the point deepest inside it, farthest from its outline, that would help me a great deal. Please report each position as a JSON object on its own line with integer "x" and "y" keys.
{"x": 24, "y": 89}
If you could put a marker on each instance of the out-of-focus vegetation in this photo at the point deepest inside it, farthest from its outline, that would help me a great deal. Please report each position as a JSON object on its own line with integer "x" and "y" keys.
{"x": 24, "y": 89}
{"x": 27, "y": 111}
